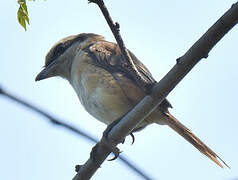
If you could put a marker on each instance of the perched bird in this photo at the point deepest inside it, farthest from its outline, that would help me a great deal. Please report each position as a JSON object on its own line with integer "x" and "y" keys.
{"x": 107, "y": 91}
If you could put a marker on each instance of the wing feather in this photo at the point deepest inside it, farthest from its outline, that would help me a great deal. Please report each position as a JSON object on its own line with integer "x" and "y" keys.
{"x": 107, "y": 55}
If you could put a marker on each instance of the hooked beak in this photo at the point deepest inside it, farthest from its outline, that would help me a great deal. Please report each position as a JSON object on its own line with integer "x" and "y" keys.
{"x": 42, "y": 75}
{"x": 47, "y": 72}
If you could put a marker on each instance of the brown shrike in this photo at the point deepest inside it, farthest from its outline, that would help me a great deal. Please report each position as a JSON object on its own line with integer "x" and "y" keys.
{"x": 107, "y": 91}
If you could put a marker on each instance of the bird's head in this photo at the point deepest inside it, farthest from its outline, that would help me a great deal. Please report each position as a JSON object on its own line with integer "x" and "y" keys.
{"x": 59, "y": 59}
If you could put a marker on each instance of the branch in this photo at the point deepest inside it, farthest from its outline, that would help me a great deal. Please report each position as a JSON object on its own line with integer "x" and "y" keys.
{"x": 71, "y": 128}
{"x": 128, "y": 64}
{"x": 161, "y": 89}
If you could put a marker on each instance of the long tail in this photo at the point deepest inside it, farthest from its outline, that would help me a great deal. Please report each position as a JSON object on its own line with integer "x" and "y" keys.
{"x": 195, "y": 141}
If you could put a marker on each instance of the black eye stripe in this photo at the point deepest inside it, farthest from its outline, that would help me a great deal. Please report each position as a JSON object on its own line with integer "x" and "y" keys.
{"x": 63, "y": 46}
{"x": 60, "y": 49}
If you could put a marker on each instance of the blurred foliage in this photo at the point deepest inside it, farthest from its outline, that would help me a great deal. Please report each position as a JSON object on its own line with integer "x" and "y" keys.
{"x": 22, "y": 13}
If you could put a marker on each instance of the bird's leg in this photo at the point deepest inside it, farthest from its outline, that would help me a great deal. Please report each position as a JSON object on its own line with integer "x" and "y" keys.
{"x": 105, "y": 143}
{"x": 110, "y": 126}
{"x": 115, "y": 150}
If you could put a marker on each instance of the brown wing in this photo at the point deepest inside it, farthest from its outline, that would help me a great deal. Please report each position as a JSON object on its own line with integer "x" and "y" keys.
{"x": 107, "y": 55}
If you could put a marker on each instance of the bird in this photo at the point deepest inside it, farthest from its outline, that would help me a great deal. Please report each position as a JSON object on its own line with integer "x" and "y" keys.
{"x": 105, "y": 88}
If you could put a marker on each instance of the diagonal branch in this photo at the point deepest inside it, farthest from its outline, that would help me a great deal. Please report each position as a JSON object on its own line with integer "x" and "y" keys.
{"x": 71, "y": 128}
{"x": 128, "y": 64}
{"x": 161, "y": 89}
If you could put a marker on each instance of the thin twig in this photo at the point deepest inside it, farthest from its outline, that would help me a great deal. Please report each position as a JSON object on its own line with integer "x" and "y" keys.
{"x": 161, "y": 89}
{"x": 71, "y": 128}
{"x": 128, "y": 63}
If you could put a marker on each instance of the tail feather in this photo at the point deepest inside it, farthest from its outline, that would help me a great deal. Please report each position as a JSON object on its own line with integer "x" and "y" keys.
{"x": 195, "y": 141}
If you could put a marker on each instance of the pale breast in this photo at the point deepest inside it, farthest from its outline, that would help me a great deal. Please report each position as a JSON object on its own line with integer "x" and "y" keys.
{"x": 99, "y": 92}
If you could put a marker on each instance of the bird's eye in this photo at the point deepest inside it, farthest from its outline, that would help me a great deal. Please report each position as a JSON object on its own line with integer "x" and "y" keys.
{"x": 82, "y": 38}
{"x": 60, "y": 49}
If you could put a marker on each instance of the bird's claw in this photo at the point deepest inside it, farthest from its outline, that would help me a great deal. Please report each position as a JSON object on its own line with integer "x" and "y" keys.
{"x": 109, "y": 128}
{"x": 116, "y": 153}
{"x": 133, "y": 138}
{"x": 107, "y": 144}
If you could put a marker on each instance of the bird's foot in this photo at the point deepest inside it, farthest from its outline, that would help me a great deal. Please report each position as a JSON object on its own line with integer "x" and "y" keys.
{"x": 109, "y": 128}
{"x": 133, "y": 138}
{"x": 104, "y": 143}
